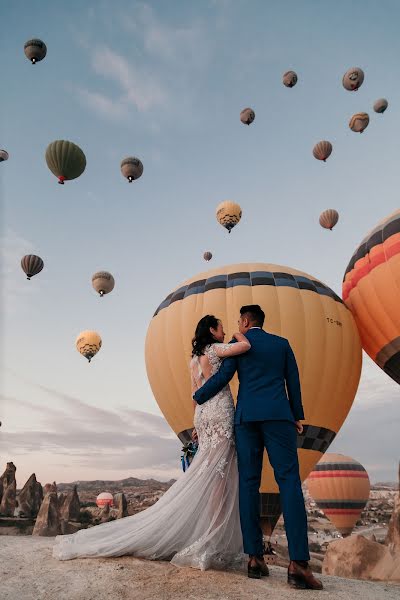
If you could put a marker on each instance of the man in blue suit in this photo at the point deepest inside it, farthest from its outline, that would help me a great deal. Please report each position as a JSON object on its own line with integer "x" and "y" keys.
{"x": 268, "y": 415}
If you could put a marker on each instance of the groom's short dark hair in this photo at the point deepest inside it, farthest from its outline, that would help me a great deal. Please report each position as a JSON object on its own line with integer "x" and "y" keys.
{"x": 254, "y": 313}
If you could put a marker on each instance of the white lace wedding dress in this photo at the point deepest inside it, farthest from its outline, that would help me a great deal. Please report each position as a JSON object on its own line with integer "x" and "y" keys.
{"x": 196, "y": 522}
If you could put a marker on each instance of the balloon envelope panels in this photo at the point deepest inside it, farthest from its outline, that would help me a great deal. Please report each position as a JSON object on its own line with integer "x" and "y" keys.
{"x": 320, "y": 329}
{"x": 371, "y": 290}
{"x": 340, "y": 487}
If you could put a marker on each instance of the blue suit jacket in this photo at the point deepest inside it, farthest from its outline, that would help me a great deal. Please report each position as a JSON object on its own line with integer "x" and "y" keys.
{"x": 263, "y": 372}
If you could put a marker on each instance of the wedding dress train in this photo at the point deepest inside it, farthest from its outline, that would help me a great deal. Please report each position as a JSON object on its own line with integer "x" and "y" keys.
{"x": 196, "y": 522}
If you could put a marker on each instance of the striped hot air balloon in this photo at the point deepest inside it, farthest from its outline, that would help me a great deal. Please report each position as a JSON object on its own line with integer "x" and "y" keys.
{"x": 371, "y": 290}
{"x": 207, "y": 256}
{"x": 340, "y": 487}
{"x": 322, "y": 150}
{"x": 31, "y": 265}
{"x": 320, "y": 329}
{"x": 329, "y": 218}
{"x": 105, "y": 498}
{"x": 65, "y": 160}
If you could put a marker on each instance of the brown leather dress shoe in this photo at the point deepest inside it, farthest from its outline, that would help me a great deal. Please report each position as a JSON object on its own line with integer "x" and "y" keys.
{"x": 257, "y": 568}
{"x": 301, "y": 577}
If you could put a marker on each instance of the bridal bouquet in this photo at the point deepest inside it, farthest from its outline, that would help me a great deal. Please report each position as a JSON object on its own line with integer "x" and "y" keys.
{"x": 188, "y": 452}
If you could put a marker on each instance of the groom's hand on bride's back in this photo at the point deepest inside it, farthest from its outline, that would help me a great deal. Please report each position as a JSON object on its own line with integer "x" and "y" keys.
{"x": 299, "y": 427}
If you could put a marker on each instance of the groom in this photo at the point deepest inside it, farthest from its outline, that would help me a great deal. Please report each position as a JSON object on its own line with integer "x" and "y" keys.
{"x": 268, "y": 414}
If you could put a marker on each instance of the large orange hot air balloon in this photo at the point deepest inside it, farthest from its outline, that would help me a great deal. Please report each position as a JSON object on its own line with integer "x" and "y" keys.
{"x": 371, "y": 290}
{"x": 321, "y": 331}
{"x": 340, "y": 487}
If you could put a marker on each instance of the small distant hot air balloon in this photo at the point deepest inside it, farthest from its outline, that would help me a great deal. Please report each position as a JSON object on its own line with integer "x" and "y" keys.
{"x": 3, "y": 155}
{"x": 88, "y": 343}
{"x": 353, "y": 79}
{"x": 131, "y": 168}
{"x": 359, "y": 122}
{"x": 31, "y": 265}
{"x": 247, "y": 116}
{"x": 65, "y": 160}
{"x": 329, "y": 218}
{"x": 340, "y": 487}
{"x": 289, "y": 79}
{"x": 103, "y": 282}
{"x": 207, "y": 256}
{"x": 105, "y": 498}
{"x": 35, "y": 50}
{"x": 381, "y": 105}
{"x": 228, "y": 214}
{"x": 322, "y": 150}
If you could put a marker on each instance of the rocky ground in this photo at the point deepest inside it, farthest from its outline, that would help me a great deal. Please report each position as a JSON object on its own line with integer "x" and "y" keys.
{"x": 28, "y": 571}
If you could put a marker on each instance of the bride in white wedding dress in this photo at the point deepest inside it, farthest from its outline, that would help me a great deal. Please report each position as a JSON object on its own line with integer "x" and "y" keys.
{"x": 196, "y": 522}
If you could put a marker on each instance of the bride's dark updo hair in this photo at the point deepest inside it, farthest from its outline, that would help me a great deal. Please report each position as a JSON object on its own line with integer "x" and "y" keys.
{"x": 203, "y": 336}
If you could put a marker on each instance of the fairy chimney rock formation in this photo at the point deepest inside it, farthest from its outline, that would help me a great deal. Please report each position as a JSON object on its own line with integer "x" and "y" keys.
{"x": 70, "y": 506}
{"x": 393, "y": 535}
{"x": 48, "y": 519}
{"x": 121, "y": 504}
{"x": 30, "y": 498}
{"x": 8, "y": 489}
{"x": 356, "y": 557}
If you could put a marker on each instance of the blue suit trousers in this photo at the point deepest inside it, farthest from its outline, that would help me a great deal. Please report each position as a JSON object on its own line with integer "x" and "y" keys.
{"x": 279, "y": 438}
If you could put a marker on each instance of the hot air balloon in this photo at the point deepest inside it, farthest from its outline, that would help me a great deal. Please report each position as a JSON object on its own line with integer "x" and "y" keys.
{"x": 359, "y": 122}
{"x": 105, "y": 498}
{"x": 207, "y": 256}
{"x": 88, "y": 343}
{"x": 340, "y": 487}
{"x": 322, "y": 150}
{"x": 247, "y": 116}
{"x": 228, "y": 214}
{"x": 3, "y": 155}
{"x": 31, "y": 265}
{"x": 320, "y": 329}
{"x": 371, "y": 291}
{"x": 35, "y": 50}
{"x": 103, "y": 282}
{"x": 381, "y": 105}
{"x": 131, "y": 168}
{"x": 65, "y": 160}
{"x": 289, "y": 79}
{"x": 329, "y": 218}
{"x": 353, "y": 79}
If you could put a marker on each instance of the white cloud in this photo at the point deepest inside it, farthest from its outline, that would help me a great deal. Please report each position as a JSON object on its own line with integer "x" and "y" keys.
{"x": 185, "y": 45}
{"x": 102, "y": 105}
{"x": 74, "y": 438}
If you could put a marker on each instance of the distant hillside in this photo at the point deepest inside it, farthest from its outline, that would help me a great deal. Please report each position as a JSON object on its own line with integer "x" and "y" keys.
{"x": 115, "y": 485}
{"x": 385, "y": 485}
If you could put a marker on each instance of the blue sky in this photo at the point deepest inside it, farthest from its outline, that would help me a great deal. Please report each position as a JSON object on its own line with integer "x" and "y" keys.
{"x": 166, "y": 82}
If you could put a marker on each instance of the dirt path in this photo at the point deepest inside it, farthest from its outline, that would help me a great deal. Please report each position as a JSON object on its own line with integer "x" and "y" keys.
{"x": 28, "y": 572}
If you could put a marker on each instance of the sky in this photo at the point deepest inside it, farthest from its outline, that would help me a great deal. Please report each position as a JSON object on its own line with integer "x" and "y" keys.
{"x": 166, "y": 82}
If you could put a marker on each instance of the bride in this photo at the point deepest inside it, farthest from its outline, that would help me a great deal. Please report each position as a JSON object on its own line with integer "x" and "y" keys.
{"x": 196, "y": 522}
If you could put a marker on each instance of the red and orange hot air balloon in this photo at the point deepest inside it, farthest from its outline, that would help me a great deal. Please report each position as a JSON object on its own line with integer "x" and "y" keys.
{"x": 371, "y": 290}
{"x": 340, "y": 487}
